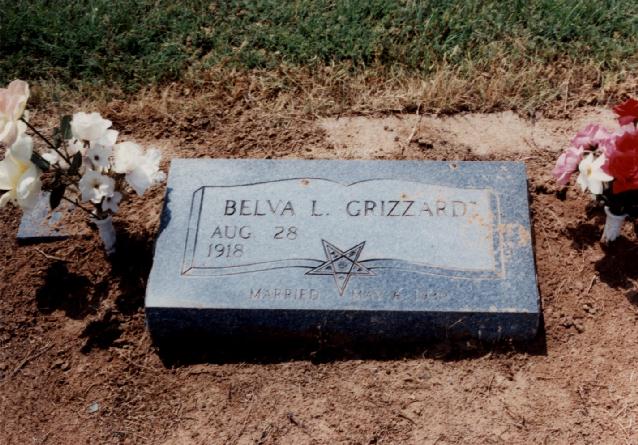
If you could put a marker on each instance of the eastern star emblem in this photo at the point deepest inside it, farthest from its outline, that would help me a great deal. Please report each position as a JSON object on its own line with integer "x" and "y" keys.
{"x": 341, "y": 265}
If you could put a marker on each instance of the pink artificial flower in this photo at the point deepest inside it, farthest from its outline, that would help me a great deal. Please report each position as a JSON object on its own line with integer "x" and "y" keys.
{"x": 567, "y": 164}
{"x": 593, "y": 136}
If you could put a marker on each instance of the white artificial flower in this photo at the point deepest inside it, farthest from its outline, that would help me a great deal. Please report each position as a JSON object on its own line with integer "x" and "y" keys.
{"x": 147, "y": 172}
{"x": 52, "y": 157}
{"x": 99, "y": 156}
{"x": 95, "y": 186}
{"x": 89, "y": 126}
{"x": 108, "y": 140}
{"x": 11, "y": 130}
{"x": 591, "y": 175}
{"x": 19, "y": 176}
{"x": 141, "y": 169}
{"x": 126, "y": 157}
{"x": 111, "y": 202}
{"x": 29, "y": 188}
{"x": 76, "y": 146}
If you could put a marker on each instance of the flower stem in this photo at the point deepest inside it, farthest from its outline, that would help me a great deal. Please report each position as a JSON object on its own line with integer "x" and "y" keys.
{"x": 77, "y": 204}
{"x": 32, "y": 128}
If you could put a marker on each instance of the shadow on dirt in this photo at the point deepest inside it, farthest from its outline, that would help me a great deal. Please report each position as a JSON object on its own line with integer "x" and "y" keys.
{"x": 131, "y": 266}
{"x": 618, "y": 267}
{"x": 586, "y": 234}
{"x": 632, "y": 297}
{"x": 70, "y": 292}
{"x": 79, "y": 297}
{"x": 101, "y": 333}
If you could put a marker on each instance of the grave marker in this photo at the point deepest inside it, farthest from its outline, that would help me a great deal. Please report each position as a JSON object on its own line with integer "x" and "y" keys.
{"x": 360, "y": 250}
{"x": 40, "y": 224}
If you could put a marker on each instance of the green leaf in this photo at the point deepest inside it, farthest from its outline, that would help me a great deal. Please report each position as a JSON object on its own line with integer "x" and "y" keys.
{"x": 76, "y": 163}
{"x": 56, "y": 196}
{"x": 40, "y": 162}
{"x": 65, "y": 127}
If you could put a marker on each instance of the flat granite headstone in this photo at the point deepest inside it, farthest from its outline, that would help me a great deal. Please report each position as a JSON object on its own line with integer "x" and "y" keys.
{"x": 346, "y": 250}
{"x": 41, "y": 224}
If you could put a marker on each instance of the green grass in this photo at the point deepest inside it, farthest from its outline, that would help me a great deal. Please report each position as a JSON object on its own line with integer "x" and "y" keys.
{"x": 136, "y": 43}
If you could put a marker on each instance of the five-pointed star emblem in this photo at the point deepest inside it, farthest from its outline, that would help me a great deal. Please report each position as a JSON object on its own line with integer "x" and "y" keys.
{"x": 342, "y": 265}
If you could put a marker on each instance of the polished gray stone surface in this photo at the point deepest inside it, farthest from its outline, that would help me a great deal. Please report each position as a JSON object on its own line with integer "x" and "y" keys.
{"x": 350, "y": 249}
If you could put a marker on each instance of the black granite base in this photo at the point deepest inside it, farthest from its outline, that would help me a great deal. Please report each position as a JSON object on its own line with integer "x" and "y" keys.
{"x": 299, "y": 332}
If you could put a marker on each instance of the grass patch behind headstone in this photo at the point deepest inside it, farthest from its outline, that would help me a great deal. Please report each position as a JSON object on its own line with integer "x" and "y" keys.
{"x": 136, "y": 43}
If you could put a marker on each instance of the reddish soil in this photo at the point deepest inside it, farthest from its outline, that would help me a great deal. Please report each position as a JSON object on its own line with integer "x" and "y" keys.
{"x": 77, "y": 364}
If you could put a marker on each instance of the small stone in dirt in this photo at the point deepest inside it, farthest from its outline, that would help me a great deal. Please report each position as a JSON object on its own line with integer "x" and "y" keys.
{"x": 93, "y": 408}
{"x": 587, "y": 307}
{"x": 425, "y": 143}
{"x": 62, "y": 364}
{"x": 580, "y": 327}
{"x": 566, "y": 322}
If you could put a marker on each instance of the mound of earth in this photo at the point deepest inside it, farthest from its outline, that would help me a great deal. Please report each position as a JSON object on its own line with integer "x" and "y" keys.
{"x": 77, "y": 365}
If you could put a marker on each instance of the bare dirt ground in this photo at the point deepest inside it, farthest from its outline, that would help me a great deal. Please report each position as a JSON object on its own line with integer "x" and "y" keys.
{"x": 77, "y": 364}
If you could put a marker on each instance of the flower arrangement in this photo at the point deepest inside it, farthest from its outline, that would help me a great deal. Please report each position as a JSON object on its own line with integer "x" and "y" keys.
{"x": 84, "y": 164}
{"x": 607, "y": 165}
